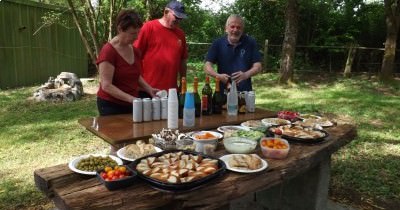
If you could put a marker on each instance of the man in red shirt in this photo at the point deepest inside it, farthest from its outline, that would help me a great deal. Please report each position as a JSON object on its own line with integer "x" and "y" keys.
{"x": 163, "y": 47}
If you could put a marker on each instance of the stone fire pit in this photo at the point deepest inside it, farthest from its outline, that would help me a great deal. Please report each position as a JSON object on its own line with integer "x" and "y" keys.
{"x": 65, "y": 87}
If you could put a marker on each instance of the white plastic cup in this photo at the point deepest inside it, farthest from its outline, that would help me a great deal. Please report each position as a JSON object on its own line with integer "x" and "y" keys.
{"x": 162, "y": 94}
{"x": 172, "y": 120}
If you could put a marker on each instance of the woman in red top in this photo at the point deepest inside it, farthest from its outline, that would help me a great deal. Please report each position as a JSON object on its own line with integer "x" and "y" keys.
{"x": 120, "y": 68}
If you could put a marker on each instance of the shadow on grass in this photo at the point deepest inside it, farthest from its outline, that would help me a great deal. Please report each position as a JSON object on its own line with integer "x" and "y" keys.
{"x": 354, "y": 178}
{"x": 12, "y": 196}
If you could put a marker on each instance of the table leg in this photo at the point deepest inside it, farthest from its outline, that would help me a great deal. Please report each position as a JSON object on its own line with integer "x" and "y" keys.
{"x": 307, "y": 191}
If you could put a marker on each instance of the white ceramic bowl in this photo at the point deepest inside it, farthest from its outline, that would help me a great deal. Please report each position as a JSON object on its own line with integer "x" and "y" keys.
{"x": 239, "y": 145}
{"x": 206, "y": 145}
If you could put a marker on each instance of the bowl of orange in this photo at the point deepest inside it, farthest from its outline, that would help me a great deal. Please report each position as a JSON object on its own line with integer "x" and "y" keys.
{"x": 275, "y": 148}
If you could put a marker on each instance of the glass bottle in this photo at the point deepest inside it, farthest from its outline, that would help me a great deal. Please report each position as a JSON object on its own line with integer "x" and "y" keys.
{"x": 206, "y": 98}
{"x": 232, "y": 100}
{"x": 242, "y": 103}
{"x": 218, "y": 100}
{"x": 197, "y": 100}
{"x": 182, "y": 98}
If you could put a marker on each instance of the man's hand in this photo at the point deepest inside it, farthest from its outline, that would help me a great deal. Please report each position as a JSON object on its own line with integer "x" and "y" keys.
{"x": 240, "y": 76}
{"x": 224, "y": 78}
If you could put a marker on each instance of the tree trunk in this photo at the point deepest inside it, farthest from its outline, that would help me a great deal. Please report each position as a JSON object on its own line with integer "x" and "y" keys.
{"x": 265, "y": 56}
{"x": 289, "y": 42}
{"x": 392, "y": 10}
{"x": 83, "y": 37}
{"x": 349, "y": 62}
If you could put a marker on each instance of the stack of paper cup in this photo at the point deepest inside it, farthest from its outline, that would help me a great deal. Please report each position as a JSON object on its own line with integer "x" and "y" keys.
{"x": 172, "y": 109}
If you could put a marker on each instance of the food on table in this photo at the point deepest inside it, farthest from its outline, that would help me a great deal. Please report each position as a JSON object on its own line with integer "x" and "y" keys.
{"x": 185, "y": 144}
{"x": 246, "y": 161}
{"x": 253, "y": 123}
{"x": 274, "y": 143}
{"x": 205, "y": 136}
{"x": 288, "y": 115}
{"x": 239, "y": 145}
{"x": 298, "y": 131}
{"x": 94, "y": 163}
{"x": 274, "y": 121}
{"x": 231, "y": 128}
{"x": 308, "y": 116}
{"x": 166, "y": 138}
{"x": 116, "y": 173}
{"x": 324, "y": 122}
{"x": 276, "y": 148}
{"x": 250, "y": 134}
{"x": 177, "y": 167}
{"x": 138, "y": 150}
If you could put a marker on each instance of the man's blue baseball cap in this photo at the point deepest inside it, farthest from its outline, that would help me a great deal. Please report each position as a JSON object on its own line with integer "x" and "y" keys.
{"x": 178, "y": 9}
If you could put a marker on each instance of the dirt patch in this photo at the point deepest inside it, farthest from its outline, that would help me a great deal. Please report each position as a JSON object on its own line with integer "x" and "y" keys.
{"x": 90, "y": 85}
{"x": 358, "y": 201}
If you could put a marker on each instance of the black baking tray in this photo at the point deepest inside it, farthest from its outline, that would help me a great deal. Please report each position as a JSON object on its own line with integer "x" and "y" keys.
{"x": 180, "y": 187}
{"x": 299, "y": 140}
{"x": 119, "y": 183}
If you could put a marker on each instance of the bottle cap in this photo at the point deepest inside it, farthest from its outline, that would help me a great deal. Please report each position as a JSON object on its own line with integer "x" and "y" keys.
{"x": 189, "y": 101}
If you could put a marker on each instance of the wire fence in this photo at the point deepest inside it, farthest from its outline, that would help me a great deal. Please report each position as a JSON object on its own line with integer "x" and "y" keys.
{"x": 312, "y": 58}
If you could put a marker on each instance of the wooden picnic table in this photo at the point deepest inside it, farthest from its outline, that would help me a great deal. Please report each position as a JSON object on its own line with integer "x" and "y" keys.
{"x": 300, "y": 181}
{"x": 120, "y": 129}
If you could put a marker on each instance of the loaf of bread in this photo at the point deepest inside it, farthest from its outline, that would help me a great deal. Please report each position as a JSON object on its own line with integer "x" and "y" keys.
{"x": 246, "y": 161}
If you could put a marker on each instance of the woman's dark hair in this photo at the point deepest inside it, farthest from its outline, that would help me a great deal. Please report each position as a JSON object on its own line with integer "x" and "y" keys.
{"x": 128, "y": 18}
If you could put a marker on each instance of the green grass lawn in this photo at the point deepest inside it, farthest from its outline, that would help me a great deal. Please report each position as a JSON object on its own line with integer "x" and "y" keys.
{"x": 37, "y": 135}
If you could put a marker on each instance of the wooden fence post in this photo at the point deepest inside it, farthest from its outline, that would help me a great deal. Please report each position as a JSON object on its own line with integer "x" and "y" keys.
{"x": 350, "y": 59}
{"x": 265, "y": 56}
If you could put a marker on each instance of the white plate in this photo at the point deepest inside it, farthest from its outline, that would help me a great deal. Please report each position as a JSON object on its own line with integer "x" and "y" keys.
{"x": 274, "y": 121}
{"x": 226, "y": 158}
{"x": 222, "y": 129}
{"x": 74, "y": 162}
{"x": 216, "y": 134}
{"x": 121, "y": 153}
{"x": 252, "y": 124}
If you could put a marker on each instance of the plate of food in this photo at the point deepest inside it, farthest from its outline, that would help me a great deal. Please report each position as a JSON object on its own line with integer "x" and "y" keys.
{"x": 89, "y": 164}
{"x": 308, "y": 116}
{"x": 178, "y": 170}
{"x": 139, "y": 149}
{"x": 206, "y": 135}
{"x": 298, "y": 133}
{"x": 231, "y": 128}
{"x": 244, "y": 163}
{"x": 274, "y": 121}
{"x": 323, "y": 121}
{"x": 254, "y": 125}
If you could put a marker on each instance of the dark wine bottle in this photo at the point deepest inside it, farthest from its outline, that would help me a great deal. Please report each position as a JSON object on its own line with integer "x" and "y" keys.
{"x": 182, "y": 98}
{"x": 197, "y": 100}
{"x": 206, "y": 98}
{"x": 242, "y": 103}
{"x": 218, "y": 100}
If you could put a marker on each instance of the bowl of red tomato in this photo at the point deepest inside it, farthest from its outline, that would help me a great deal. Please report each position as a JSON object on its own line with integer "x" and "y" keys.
{"x": 116, "y": 177}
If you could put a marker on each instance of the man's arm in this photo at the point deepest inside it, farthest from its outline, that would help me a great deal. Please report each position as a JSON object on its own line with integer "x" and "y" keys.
{"x": 208, "y": 68}
{"x": 182, "y": 72}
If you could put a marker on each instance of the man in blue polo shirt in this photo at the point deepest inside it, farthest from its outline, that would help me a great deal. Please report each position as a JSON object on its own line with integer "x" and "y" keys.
{"x": 236, "y": 55}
